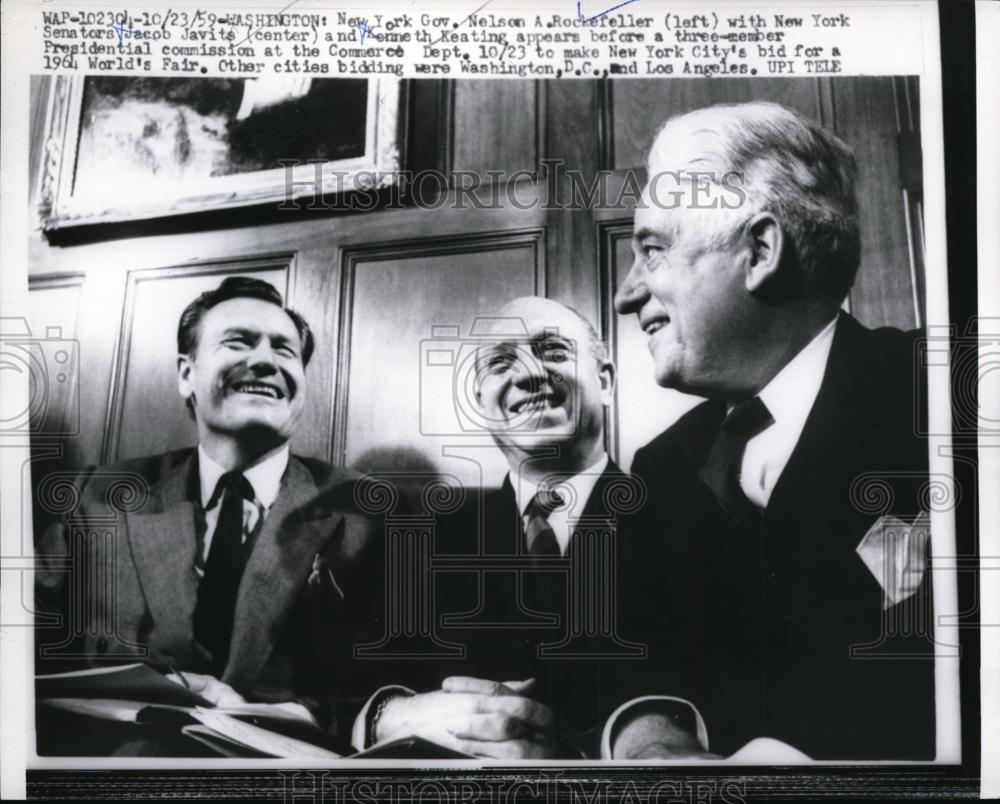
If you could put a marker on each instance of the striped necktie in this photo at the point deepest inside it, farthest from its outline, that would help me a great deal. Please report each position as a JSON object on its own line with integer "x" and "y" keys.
{"x": 541, "y": 539}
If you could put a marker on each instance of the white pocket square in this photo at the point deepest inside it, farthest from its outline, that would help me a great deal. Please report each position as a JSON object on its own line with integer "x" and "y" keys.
{"x": 895, "y": 552}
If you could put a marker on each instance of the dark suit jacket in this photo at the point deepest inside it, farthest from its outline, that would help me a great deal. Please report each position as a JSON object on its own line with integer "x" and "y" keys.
{"x": 482, "y": 605}
{"x": 779, "y": 630}
{"x": 310, "y": 590}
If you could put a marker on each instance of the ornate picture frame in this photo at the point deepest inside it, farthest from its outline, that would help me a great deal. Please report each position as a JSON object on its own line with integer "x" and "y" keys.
{"x": 70, "y": 197}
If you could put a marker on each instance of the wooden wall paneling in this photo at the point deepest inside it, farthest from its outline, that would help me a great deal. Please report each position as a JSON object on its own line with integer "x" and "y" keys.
{"x": 405, "y": 305}
{"x": 98, "y": 323}
{"x": 573, "y": 259}
{"x": 906, "y": 91}
{"x": 571, "y": 124}
{"x": 866, "y": 120}
{"x": 109, "y": 265}
{"x": 496, "y": 125}
{"x": 52, "y": 361}
{"x": 145, "y": 412}
{"x": 53, "y": 304}
{"x": 430, "y": 122}
{"x": 827, "y": 111}
{"x": 604, "y": 113}
{"x": 640, "y": 107}
{"x": 38, "y": 101}
{"x": 314, "y": 292}
{"x": 913, "y": 211}
{"x": 321, "y": 259}
{"x": 314, "y": 280}
{"x": 573, "y": 136}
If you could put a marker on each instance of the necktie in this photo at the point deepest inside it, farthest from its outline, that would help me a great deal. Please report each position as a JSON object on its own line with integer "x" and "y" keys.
{"x": 721, "y": 472}
{"x": 213, "y": 617}
{"x": 542, "y": 544}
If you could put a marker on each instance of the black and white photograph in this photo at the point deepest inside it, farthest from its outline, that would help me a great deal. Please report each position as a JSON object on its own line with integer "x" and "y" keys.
{"x": 579, "y": 435}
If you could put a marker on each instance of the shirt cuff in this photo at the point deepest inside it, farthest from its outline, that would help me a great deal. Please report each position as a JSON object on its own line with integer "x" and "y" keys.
{"x": 685, "y": 712}
{"x": 359, "y": 734}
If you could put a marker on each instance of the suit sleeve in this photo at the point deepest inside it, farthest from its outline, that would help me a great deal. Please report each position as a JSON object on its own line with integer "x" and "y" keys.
{"x": 359, "y": 569}
{"x": 53, "y": 568}
{"x": 657, "y": 607}
{"x": 361, "y": 563}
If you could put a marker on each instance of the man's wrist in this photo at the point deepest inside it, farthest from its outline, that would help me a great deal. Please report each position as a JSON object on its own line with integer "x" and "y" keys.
{"x": 376, "y": 716}
{"x": 363, "y": 720}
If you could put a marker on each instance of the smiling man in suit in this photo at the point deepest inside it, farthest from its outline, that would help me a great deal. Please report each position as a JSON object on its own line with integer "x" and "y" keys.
{"x": 796, "y": 606}
{"x": 244, "y": 568}
{"x": 530, "y": 685}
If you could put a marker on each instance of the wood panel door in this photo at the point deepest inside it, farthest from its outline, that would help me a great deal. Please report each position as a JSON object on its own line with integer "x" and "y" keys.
{"x": 378, "y": 290}
{"x": 408, "y": 340}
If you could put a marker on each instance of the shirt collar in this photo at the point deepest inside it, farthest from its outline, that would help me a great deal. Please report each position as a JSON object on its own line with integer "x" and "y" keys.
{"x": 791, "y": 393}
{"x": 582, "y": 484}
{"x": 265, "y": 476}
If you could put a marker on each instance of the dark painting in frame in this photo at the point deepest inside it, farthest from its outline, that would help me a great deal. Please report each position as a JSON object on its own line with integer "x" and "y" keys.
{"x": 135, "y": 148}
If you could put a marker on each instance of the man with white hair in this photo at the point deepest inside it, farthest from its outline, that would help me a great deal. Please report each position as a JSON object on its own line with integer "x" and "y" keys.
{"x": 796, "y": 606}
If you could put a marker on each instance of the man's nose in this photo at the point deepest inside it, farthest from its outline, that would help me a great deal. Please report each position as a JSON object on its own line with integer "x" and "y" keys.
{"x": 262, "y": 358}
{"x": 633, "y": 292}
{"x": 529, "y": 371}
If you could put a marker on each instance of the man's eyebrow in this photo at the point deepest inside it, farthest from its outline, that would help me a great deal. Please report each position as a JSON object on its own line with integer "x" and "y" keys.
{"x": 278, "y": 337}
{"x": 247, "y": 332}
{"x": 492, "y": 349}
{"x": 242, "y": 331}
{"x": 554, "y": 337}
{"x": 493, "y": 346}
{"x": 642, "y": 233}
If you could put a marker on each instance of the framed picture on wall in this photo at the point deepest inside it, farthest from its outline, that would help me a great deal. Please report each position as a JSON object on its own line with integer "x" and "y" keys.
{"x": 128, "y": 148}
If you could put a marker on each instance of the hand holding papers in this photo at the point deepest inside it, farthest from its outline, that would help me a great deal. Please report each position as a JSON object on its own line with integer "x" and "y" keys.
{"x": 205, "y": 709}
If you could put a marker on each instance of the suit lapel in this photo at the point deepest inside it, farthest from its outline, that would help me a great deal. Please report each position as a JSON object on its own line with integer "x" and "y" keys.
{"x": 163, "y": 549}
{"x": 503, "y": 526}
{"x": 291, "y": 536}
{"x": 828, "y": 446}
{"x": 698, "y": 429}
{"x": 596, "y": 507}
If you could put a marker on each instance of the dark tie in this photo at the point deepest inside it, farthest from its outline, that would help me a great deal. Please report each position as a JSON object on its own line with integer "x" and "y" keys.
{"x": 721, "y": 472}
{"x": 213, "y": 616}
{"x": 542, "y": 544}
{"x": 541, "y": 539}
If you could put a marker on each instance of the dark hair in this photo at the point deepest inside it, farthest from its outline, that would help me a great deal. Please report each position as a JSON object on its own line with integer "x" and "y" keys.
{"x": 237, "y": 287}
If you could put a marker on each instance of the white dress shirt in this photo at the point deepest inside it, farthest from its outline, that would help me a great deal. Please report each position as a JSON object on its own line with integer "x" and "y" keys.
{"x": 265, "y": 478}
{"x": 575, "y": 491}
{"x": 789, "y": 397}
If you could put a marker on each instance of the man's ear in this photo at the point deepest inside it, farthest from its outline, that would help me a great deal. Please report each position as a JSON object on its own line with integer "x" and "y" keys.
{"x": 185, "y": 381}
{"x": 765, "y": 241}
{"x": 607, "y": 375}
